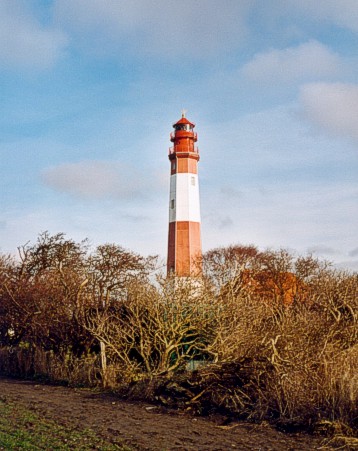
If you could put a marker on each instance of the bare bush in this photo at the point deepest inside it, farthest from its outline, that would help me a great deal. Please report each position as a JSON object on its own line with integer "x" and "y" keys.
{"x": 271, "y": 336}
{"x": 154, "y": 332}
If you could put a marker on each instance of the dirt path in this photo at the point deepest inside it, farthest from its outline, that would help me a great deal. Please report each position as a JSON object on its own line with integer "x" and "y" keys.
{"x": 145, "y": 427}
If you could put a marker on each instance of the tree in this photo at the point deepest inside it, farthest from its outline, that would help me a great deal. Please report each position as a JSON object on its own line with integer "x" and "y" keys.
{"x": 111, "y": 270}
{"x": 44, "y": 291}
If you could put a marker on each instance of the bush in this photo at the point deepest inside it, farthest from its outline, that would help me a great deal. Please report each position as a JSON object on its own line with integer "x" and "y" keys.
{"x": 272, "y": 336}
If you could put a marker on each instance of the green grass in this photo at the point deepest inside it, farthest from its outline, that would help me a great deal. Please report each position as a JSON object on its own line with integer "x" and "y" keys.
{"x": 22, "y": 429}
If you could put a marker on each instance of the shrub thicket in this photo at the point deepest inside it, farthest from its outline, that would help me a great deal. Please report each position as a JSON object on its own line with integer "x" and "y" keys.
{"x": 269, "y": 336}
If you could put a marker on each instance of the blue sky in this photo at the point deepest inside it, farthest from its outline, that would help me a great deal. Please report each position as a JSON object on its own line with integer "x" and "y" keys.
{"x": 89, "y": 90}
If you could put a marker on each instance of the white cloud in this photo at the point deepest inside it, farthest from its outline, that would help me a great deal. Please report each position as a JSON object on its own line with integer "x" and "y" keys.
{"x": 307, "y": 217}
{"x": 94, "y": 180}
{"x": 139, "y": 227}
{"x": 332, "y": 106}
{"x": 321, "y": 249}
{"x": 24, "y": 42}
{"x": 340, "y": 12}
{"x": 288, "y": 15}
{"x": 157, "y": 28}
{"x": 306, "y": 61}
{"x": 282, "y": 185}
{"x": 353, "y": 252}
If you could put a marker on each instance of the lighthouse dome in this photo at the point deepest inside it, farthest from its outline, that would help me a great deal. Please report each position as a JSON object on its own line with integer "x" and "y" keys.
{"x": 183, "y": 124}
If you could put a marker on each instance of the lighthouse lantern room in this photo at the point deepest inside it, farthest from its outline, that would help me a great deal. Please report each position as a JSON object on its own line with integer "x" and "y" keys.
{"x": 184, "y": 241}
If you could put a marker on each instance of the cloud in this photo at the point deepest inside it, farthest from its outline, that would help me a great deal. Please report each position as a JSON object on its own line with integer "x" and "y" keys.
{"x": 229, "y": 192}
{"x": 158, "y": 28}
{"x": 94, "y": 180}
{"x": 332, "y": 107}
{"x": 218, "y": 221}
{"x": 25, "y": 43}
{"x": 292, "y": 214}
{"x": 351, "y": 265}
{"x": 353, "y": 252}
{"x": 306, "y": 61}
{"x": 226, "y": 222}
{"x": 343, "y": 12}
{"x": 322, "y": 250}
{"x": 303, "y": 13}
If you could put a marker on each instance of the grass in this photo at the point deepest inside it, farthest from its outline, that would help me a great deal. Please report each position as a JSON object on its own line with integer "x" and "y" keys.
{"x": 22, "y": 429}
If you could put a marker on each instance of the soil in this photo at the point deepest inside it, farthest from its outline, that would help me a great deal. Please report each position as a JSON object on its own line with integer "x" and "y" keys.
{"x": 142, "y": 426}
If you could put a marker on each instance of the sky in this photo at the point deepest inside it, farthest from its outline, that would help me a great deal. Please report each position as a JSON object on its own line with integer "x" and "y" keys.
{"x": 89, "y": 90}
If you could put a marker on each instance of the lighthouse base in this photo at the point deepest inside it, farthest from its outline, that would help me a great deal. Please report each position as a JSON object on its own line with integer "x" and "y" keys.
{"x": 184, "y": 249}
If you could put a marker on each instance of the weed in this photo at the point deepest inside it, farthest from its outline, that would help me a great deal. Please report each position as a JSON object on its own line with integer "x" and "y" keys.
{"x": 22, "y": 429}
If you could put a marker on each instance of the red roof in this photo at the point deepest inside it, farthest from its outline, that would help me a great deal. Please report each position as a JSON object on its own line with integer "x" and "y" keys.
{"x": 184, "y": 120}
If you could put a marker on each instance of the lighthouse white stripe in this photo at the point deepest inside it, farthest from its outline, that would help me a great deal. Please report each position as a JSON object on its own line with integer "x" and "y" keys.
{"x": 184, "y": 191}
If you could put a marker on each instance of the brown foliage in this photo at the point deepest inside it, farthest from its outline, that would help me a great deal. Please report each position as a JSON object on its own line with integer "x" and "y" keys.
{"x": 153, "y": 331}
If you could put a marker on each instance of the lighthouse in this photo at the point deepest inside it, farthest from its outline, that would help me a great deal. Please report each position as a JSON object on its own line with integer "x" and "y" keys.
{"x": 184, "y": 240}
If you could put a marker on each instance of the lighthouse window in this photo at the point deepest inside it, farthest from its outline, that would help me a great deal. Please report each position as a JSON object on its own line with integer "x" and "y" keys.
{"x": 193, "y": 181}
{"x": 172, "y": 204}
{"x": 173, "y": 165}
{"x": 185, "y": 127}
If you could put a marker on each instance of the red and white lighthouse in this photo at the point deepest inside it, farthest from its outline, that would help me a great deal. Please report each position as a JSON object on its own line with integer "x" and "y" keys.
{"x": 184, "y": 241}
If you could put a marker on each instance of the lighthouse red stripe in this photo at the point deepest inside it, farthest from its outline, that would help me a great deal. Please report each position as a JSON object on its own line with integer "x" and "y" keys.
{"x": 171, "y": 247}
{"x": 187, "y": 165}
{"x": 184, "y": 165}
{"x": 184, "y": 249}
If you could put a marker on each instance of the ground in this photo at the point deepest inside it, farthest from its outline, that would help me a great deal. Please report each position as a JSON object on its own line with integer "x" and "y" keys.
{"x": 142, "y": 426}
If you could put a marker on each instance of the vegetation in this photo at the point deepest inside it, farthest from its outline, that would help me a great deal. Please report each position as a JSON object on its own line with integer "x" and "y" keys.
{"x": 270, "y": 336}
{"x": 23, "y": 429}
